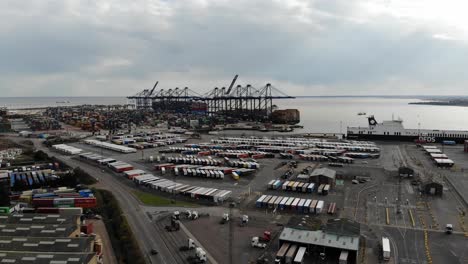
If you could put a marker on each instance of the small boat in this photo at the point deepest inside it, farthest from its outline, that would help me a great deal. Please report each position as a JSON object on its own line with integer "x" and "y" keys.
{"x": 361, "y": 113}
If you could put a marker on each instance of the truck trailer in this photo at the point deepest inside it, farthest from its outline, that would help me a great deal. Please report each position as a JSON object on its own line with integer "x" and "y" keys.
{"x": 386, "y": 248}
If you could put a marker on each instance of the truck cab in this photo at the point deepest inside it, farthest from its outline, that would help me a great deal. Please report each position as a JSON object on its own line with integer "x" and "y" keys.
{"x": 448, "y": 229}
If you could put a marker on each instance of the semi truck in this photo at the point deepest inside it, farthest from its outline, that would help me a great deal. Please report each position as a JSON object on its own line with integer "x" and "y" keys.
{"x": 256, "y": 243}
{"x": 449, "y": 229}
{"x": 319, "y": 207}
{"x": 288, "y": 259}
{"x": 300, "y": 255}
{"x": 386, "y": 248}
{"x": 282, "y": 252}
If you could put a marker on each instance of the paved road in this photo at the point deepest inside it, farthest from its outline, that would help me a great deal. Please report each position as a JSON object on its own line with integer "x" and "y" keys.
{"x": 145, "y": 232}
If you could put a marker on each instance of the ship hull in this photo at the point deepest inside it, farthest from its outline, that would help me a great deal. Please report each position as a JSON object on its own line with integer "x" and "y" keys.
{"x": 427, "y": 139}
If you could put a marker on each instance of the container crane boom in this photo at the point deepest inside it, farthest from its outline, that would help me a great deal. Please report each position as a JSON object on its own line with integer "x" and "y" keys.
{"x": 152, "y": 90}
{"x": 232, "y": 84}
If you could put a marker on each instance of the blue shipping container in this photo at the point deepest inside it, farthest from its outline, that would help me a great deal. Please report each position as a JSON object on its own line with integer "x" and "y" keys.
{"x": 259, "y": 201}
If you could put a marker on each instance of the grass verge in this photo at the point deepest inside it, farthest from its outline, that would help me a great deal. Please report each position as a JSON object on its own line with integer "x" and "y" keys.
{"x": 154, "y": 200}
{"x": 122, "y": 239}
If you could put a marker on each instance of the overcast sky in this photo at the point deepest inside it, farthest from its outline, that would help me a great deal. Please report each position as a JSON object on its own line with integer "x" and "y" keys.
{"x": 322, "y": 47}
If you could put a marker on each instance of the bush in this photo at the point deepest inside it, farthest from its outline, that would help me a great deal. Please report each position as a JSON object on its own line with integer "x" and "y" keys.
{"x": 41, "y": 156}
{"x": 83, "y": 177}
{"x": 123, "y": 242}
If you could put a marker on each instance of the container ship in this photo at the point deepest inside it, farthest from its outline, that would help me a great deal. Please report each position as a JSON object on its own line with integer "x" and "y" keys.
{"x": 394, "y": 130}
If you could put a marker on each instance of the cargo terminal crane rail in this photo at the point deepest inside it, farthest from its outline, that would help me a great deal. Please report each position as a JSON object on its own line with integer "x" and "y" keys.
{"x": 242, "y": 102}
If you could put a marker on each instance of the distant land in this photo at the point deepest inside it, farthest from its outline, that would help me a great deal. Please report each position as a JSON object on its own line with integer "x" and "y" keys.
{"x": 459, "y": 101}
{"x": 422, "y": 97}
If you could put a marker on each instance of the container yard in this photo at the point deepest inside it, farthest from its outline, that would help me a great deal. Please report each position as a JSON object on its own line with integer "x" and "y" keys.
{"x": 262, "y": 184}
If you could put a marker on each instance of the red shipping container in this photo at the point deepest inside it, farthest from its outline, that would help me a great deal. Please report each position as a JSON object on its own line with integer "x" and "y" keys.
{"x": 87, "y": 229}
{"x": 68, "y": 195}
{"x": 14, "y": 197}
{"x": 98, "y": 248}
{"x": 158, "y": 167}
{"x": 86, "y": 202}
{"x": 90, "y": 200}
{"x": 43, "y": 202}
{"x": 125, "y": 169}
{"x": 85, "y": 205}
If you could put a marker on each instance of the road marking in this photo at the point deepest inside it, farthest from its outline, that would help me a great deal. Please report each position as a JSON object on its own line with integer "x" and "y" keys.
{"x": 387, "y": 216}
{"x": 411, "y": 217}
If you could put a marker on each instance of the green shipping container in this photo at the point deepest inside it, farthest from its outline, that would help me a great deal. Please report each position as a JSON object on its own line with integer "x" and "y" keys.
{"x": 4, "y": 210}
{"x": 63, "y": 205}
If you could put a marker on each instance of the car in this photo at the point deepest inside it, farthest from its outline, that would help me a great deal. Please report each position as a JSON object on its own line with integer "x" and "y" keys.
{"x": 154, "y": 252}
{"x": 365, "y": 162}
{"x": 355, "y": 181}
{"x": 362, "y": 181}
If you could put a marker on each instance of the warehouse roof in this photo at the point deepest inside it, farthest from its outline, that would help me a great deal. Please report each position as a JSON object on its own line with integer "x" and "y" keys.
{"x": 46, "y": 258}
{"x": 38, "y": 219}
{"x": 324, "y": 172}
{"x": 37, "y": 230}
{"x": 303, "y": 176}
{"x": 320, "y": 238}
{"x": 46, "y": 244}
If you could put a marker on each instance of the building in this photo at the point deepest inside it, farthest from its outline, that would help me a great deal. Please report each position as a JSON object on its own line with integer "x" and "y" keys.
{"x": 339, "y": 235}
{"x": 46, "y": 238}
{"x": 433, "y": 188}
{"x": 39, "y": 219}
{"x": 286, "y": 116}
{"x": 323, "y": 176}
{"x": 47, "y": 244}
{"x": 41, "y": 258}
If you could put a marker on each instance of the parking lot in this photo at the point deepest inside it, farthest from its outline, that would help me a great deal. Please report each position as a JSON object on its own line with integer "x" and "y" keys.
{"x": 373, "y": 203}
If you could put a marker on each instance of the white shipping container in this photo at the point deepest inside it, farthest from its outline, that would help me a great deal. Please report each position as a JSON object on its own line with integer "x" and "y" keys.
{"x": 319, "y": 207}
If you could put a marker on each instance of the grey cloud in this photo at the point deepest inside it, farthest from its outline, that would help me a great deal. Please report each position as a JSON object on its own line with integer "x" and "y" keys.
{"x": 61, "y": 52}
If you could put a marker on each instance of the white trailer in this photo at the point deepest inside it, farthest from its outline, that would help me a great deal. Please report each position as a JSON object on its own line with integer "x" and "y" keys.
{"x": 319, "y": 207}
{"x": 300, "y": 255}
{"x": 343, "y": 257}
{"x": 386, "y": 248}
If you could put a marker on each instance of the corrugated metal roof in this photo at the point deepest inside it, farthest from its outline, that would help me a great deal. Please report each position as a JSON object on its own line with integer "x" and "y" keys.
{"x": 320, "y": 238}
{"x": 324, "y": 172}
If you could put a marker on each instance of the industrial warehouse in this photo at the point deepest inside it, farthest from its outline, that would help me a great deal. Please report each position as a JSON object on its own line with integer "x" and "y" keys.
{"x": 46, "y": 238}
{"x": 338, "y": 242}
